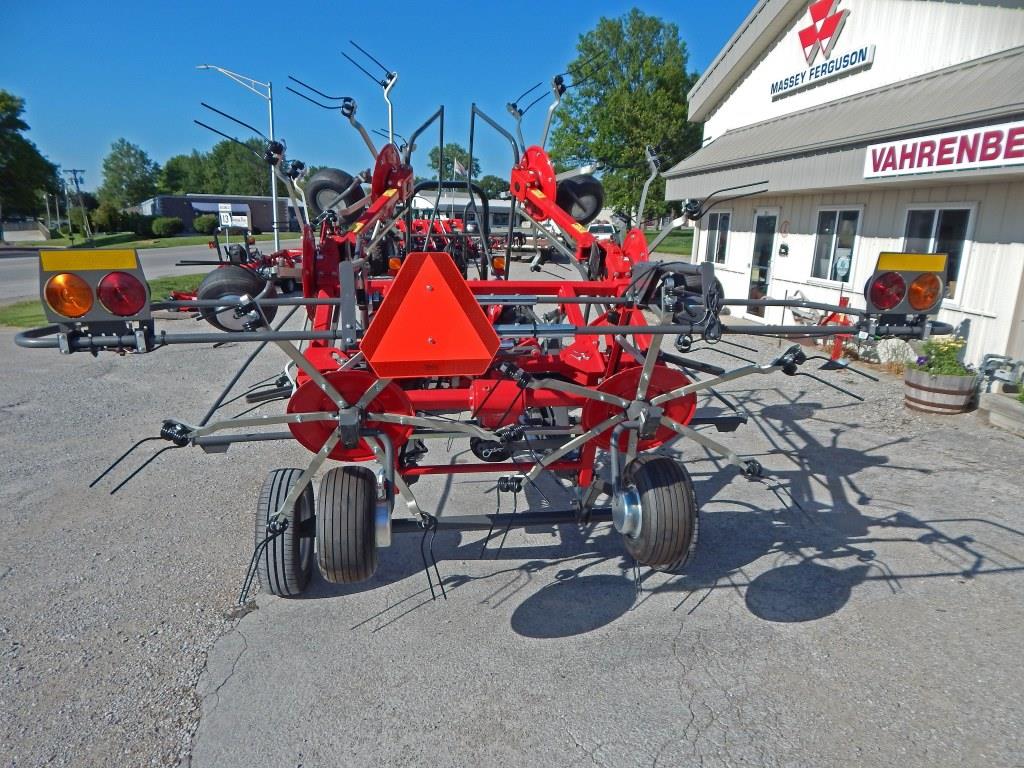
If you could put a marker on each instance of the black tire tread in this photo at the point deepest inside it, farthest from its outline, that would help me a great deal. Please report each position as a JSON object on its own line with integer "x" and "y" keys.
{"x": 346, "y": 544}
{"x": 281, "y": 569}
{"x": 668, "y": 535}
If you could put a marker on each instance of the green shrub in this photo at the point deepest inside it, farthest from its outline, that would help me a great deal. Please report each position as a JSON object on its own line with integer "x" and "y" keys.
{"x": 941, "y": 357}
{"x": 138, "y": 223}
{"x": 1020, "y": 395}
{"x": 167, "y": 226}
{"x": 206, "y": 224}
{"x": 106, "y": 218}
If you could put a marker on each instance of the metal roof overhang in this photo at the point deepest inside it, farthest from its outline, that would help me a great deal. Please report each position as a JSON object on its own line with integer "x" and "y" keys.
{"x": 823, "y": 147}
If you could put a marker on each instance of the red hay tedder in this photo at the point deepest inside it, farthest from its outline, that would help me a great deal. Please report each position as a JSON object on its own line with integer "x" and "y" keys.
{"x": 399, "y": 349}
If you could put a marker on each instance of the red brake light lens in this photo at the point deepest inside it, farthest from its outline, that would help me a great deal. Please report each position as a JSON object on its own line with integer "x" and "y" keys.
{"x": 887, "y": 290}
{"x": 122, "y": 294}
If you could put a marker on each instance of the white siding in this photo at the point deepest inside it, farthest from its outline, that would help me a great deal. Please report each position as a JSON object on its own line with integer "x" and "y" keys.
{"x": 991, "y": 282}
{"x": 912, "y": 37}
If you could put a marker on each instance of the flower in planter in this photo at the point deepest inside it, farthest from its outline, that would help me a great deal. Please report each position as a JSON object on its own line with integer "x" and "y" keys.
{"x": 941, "y": 357}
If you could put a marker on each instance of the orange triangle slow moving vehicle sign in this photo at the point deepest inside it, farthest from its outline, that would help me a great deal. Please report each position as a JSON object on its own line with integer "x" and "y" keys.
{"x": 429, "y": 324}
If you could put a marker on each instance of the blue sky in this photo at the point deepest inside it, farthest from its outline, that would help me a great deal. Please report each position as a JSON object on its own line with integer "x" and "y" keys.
{"x": 92, "y": 72}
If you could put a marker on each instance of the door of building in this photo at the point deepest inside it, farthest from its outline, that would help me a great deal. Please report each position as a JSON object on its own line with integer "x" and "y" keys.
{"x": 761, "y": 261}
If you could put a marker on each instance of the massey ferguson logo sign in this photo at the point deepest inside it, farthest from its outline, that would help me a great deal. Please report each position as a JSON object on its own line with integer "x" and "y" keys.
{"x": 827, "y": 22}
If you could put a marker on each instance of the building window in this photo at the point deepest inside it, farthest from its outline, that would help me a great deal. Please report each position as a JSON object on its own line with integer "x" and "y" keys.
{"x": 718, "y": 237}
{"x": 833, "y": 245}
{"x": 939, "y": 230}
{"x": 499, "y": 220}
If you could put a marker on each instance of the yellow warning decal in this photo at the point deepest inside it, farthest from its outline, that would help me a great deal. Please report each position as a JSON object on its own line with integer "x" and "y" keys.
{"x": 390, "y": 192}
{"x": 357, "y": 226}
{"x": 83, "y": 260}
{"x": 537, "y": 193}
{"x": 912, "y": 262}
{"x": 579, "y": 227}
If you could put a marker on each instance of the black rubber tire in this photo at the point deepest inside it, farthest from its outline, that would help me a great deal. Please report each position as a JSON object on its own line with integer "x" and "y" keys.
{"x": 287, "y": 561}
{"x": 346, "y": 546}
{"x": 582, "y": 197}
{"x": 231, "y": 280}
{"x": 325, "y": 185}
{"x": 669, "y": 514}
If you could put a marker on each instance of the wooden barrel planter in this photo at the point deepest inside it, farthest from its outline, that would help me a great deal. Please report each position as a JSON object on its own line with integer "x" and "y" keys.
{"x": 937, "y": 394}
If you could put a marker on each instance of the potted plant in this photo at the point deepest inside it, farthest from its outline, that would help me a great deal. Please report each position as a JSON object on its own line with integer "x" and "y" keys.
{"x": 938, "y": 381}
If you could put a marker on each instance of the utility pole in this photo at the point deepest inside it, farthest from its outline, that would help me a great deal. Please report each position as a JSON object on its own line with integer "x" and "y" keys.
{"x": 77, "y": 176}
{"x": 67, "y": 209}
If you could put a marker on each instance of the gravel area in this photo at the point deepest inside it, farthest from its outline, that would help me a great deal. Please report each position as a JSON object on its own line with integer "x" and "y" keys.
{"x": 110, "y": 605}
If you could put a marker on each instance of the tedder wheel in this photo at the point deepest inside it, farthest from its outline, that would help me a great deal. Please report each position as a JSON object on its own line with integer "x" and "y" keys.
{"x": 231, "y": 283}
{"x": 662, "y": 489}
{"x": 322, "y": 191}
{"x": 287, "y": 561}
{"x": 345, "y": 542}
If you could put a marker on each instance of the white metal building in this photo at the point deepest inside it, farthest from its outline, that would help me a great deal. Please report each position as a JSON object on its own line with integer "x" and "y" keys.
{"x": 867, "y": 126}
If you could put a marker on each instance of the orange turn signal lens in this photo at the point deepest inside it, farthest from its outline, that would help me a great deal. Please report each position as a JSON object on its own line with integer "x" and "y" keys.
{"x": 925, "y": 292}
{"x": 394, "y": 263}
{"x": 498, "y": 262}
{"x": 68, "y": 295}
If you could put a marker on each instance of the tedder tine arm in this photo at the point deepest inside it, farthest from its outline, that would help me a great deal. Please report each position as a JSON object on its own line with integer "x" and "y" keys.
{"x": 576, "y": 389}
{"x": 375, "y": 389}
{"x": 259, "y": 421}
{"x": 429, "y": 423}
{"x": 573, "y": 444}
{"x": 698, "y": 386}
{"x": 712, "y": 445}
{"x": 306, "y": 477}
{"x": 311, "y": 371}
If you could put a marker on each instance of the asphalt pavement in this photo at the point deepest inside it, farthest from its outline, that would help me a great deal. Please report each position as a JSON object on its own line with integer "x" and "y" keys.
{"x": 861, "y": 608}
{"x": 19, "y": 268}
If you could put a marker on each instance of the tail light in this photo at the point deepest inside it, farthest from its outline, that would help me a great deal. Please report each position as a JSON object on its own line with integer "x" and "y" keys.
{"x": 887, "y": 291}
{"x": 394, "y": 263}
{"x": 498, "y": 262}
{"x": 122, "y": 294}
{"x": 251, "y": 241}
{"x": 211, "y": 245}
{"x": 925, "y": 292}
{"x": 68, "y": 295}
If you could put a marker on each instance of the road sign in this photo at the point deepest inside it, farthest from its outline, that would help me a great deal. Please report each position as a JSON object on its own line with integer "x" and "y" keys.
{"x": 240, "y": 221}
{"x": 225, "y": 219}
{"x": 224, "y": 207}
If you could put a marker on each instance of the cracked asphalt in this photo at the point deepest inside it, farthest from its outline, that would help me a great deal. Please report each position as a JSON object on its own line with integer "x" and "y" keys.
{"x": 863, "y": 608}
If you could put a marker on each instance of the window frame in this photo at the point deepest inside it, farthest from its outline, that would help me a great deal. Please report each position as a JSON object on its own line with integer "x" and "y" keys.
{"x": 837, "y": 208}
{"x": 728, "y": 237}
{"x": 972, "y": 216}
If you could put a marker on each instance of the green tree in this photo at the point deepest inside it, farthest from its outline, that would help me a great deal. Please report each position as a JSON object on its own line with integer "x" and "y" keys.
{"x": 182, "y": 174}
{"x": 452, "y": 152}
{"x": 632, "y": 92}
{"x": 24, "y": 173}
{"x": 230, "y": 169}
{"x": 493, "y": 185}
{"x": 129, "y": 176}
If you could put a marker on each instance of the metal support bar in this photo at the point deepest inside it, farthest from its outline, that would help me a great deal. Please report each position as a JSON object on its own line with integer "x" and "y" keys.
{"x": 712, "y": 445}
{"x": 502, "y": 520}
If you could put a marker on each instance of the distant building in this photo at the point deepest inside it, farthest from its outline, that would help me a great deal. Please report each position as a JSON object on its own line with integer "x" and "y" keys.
{"x": 258, "y": 210}
{"x": 867, "y": 126}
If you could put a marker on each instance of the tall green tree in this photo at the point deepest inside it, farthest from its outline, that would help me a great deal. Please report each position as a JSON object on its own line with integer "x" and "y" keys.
{"x": 24, "y": 173}
{"x": 632, "y": 92}
{"x": 452, "y": 152}
{"x": 129, "y": 175}
{"x": 182, "y": 174}
{"x": 493, "y": 185}
{"x": 230, "y": 169}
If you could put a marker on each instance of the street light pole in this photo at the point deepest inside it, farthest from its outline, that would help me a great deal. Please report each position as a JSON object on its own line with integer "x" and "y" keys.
{"x": 268, "y": 96}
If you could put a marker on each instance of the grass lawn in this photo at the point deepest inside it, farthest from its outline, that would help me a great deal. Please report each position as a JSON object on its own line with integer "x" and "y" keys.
{"x": 131, "y": 240}
{"x": 29, "y": 313}
{"x": 679, "y": 242}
